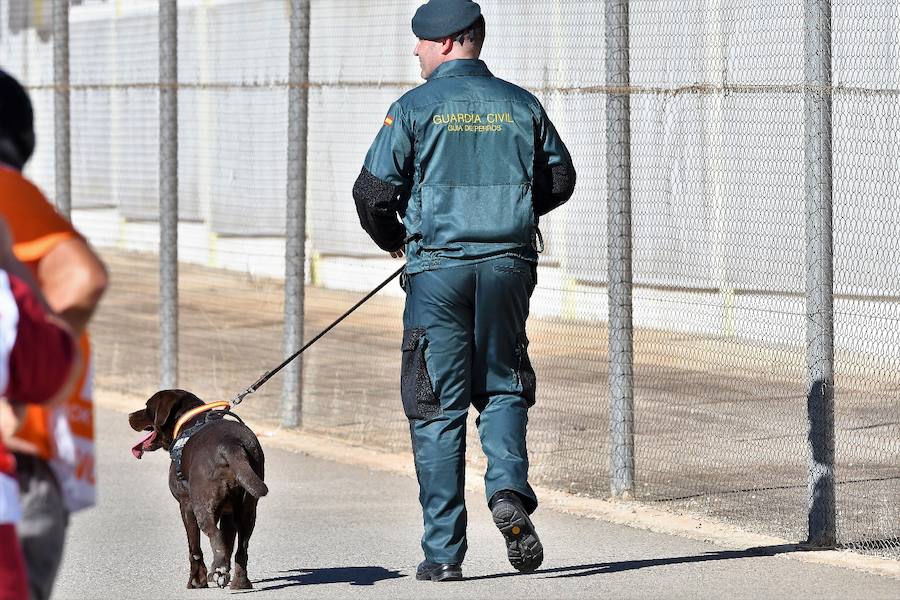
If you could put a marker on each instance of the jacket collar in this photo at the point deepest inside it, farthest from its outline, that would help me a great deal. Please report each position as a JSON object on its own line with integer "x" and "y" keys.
{"x": 461, "y": 67}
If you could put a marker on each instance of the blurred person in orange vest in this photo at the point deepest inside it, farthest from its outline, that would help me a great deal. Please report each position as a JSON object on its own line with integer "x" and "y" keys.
{"x": 54, "y": 447}
{"x": 38, "y": 363}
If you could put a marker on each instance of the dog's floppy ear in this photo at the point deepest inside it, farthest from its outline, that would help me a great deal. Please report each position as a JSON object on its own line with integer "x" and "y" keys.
{"x": 160, "y": 406}
{"x": 140, "y": 420}
{"x": 165, "y": 404}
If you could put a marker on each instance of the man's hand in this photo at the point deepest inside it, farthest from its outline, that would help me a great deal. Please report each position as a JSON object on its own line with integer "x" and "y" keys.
{"x": 398, "y": 253}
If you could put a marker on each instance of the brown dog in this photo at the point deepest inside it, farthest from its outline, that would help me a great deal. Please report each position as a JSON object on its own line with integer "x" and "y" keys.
{"x": 219, "y": 484}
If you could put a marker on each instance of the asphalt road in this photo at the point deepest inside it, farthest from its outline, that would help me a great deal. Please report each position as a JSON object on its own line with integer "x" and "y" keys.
{"x": 330, "y": 530}
{"x": 722, "y": 431}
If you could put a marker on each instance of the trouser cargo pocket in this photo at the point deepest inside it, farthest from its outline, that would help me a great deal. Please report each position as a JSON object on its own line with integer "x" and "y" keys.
{"x": 419, "y": 400}
{"x": 524, "y": 371}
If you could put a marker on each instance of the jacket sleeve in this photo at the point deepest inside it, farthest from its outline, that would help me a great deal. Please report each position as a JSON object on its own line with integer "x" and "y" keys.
{"x": 554, "y": 173}
{"x": 384, "y": 184}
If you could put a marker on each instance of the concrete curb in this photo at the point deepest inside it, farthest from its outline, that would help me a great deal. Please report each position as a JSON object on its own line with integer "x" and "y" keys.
{"x": 628, "y": 513}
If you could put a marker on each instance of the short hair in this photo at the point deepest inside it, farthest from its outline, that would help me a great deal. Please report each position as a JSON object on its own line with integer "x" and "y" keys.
{"x": 16, "y": 122}
{"x": 474, "y": 33}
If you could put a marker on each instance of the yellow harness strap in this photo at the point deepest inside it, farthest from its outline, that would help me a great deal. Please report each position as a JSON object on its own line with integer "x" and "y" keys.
{"x": 196, "y": 411}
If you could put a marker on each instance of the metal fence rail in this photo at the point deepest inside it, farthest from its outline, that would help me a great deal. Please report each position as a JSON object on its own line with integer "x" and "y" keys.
{"x": 714, "y": 325}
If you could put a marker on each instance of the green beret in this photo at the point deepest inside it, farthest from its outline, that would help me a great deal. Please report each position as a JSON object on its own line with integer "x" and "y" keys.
{"x": 441, "y": 18}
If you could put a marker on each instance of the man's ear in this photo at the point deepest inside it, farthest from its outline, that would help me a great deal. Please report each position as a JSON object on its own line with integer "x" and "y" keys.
{"x": 446, "y": 46}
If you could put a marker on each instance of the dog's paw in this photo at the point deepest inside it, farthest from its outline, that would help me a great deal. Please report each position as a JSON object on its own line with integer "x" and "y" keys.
{"x": 241, "y": 583}
{"x": 221, "y": 576}
{"x": 198, "y": 577}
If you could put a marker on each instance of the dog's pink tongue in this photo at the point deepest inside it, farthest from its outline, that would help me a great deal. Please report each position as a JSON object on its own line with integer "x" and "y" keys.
{"x": 138, "y": 449}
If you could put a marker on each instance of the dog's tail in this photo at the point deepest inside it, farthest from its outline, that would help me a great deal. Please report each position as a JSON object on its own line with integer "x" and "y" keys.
{"x": 245, "y": 474}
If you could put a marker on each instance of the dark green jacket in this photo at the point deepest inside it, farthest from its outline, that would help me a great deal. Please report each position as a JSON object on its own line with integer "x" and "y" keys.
{"x": 469, "y": 162}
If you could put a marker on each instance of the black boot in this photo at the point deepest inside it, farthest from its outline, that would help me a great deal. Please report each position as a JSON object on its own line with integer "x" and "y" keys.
{"x": 438, "y": 571}
{"x": 523, "y": 548}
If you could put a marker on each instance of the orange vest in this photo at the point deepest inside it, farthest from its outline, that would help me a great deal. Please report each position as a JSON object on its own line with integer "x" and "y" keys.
{"x": 35, "y": 225}
{"x": 36, "y": 229}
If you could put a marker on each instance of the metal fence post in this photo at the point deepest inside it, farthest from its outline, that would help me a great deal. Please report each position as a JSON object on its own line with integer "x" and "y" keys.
{"x": 819, "y": 274}
{"x": 61, "y": 112}
{"x": 168, "y": 193}
{"x": 618, "y": 181}
{"x": 713, "y": 148}
{"x": 298, "y": 95}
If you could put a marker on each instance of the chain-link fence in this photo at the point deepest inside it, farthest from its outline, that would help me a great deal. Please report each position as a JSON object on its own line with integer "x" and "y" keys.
{"x": 721, "y": 146}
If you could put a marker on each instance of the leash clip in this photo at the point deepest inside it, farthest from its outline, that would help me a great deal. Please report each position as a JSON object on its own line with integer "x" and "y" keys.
{"x": 237, "y": 399}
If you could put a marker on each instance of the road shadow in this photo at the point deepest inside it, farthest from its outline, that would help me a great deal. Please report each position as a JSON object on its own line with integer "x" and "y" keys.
{"x": 351, "y": 575}
{"x": 631, "y": 565}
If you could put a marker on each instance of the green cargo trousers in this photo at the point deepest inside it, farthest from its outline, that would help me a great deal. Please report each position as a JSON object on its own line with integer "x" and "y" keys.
{"x": 464, "y": 343}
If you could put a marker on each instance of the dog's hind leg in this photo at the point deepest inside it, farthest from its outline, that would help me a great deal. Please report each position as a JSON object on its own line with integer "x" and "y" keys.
{"x": 198, "y": 576}
{"x": 221, "y": 564}
{"x": 229, "y": 530}
{"x": 245, "y": 515}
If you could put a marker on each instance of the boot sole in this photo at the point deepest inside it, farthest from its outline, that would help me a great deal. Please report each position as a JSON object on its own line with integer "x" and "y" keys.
{"x": 440, "y": 576}
{"x": 523, "y": 548}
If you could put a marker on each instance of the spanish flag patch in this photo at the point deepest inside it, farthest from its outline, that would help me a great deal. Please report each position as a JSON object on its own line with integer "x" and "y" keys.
{"x": 389, "y": 120}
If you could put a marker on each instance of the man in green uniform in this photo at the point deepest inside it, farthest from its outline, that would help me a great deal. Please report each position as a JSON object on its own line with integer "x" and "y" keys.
{"x": 469, "y": 162}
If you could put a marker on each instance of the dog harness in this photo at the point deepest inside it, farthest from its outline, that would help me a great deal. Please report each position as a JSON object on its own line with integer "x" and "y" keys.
{"x": 207, "y": 417}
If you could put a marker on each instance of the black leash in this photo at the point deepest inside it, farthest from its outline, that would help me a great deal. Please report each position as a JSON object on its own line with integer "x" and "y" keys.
{"x": 268, "y": 374}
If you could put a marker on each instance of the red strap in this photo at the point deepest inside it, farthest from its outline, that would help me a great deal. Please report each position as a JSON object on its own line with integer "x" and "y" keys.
{"x": 7, "y": 461}
{"x": 43, "y": 353}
